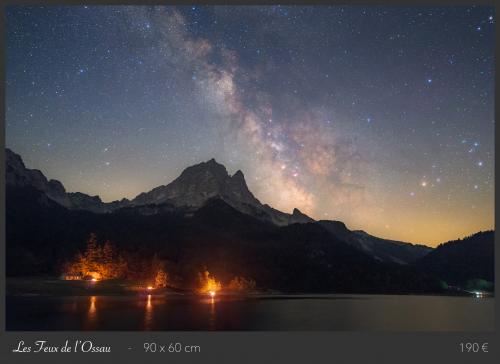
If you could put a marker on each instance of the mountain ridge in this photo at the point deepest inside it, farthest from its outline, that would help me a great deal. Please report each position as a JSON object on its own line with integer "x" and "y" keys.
{"x": 462, "y": 260}
{"x": 196, "y": 185}
{"x": 217, "y": 237}
{"x": 311, "y": 256}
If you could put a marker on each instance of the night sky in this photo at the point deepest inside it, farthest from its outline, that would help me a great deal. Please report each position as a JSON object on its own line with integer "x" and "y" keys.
{"x": 381, "y": 117}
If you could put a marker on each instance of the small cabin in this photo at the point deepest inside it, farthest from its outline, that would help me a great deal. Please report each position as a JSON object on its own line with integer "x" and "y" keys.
{"x": 71, "y": 277}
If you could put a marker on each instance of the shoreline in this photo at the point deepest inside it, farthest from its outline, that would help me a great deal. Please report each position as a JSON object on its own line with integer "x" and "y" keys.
{"x": 54, "y": 287}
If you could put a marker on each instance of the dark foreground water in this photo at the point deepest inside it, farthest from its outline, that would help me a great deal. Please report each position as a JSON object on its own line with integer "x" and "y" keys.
{"x": 324, "y": 312}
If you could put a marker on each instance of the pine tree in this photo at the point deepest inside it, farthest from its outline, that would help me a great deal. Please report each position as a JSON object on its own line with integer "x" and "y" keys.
{"x": 108, "y": 265}
{"x": 108, "y": 252}
{"x": 92, "y": 249}
{"x": 161, "y": 278}
{"x": 103, "y": 260}
{"x": 207, "y": 283}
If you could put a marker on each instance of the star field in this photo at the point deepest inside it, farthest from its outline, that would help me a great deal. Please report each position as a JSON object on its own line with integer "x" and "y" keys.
{"x": 381, "y": 117}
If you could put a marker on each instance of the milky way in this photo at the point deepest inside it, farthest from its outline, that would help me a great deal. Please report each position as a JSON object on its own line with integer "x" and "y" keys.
{"x": 380, "y": 117}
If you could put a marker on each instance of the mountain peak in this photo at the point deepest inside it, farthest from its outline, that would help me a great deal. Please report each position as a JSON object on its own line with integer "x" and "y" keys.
{"x": 299, "y": 217}
{"x": 210, "y": 163}
{"x": 211, "y": 166}
{"x": 238, "y": 175}
{"x": 13, "y": 159}
{"x": 195, "y": 186}
{"x": 18, "y": 175}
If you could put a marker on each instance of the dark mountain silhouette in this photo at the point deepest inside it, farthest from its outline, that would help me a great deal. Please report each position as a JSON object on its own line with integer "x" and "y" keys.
{"x": 192, "y": 189}
{"x": 380, "y": 249}
{"x": 42, "y": 234}
{"x": 209, "y": 219}
{"x": 206, "y": 180}
{"x": 18, "y": 175}
{"x": 459, "y": 261}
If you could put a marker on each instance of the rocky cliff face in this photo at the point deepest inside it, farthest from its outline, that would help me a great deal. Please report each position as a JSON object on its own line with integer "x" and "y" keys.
{"x": 197, "y": 184}
{"x": 17, "y": 174}
{"x": 201, "y": 182}
{"x": 82, "y": 201}
{"x": 193, "y": 189}
{"x": 381, "y": 249}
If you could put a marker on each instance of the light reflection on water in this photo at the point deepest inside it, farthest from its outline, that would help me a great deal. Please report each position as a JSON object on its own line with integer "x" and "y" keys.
{"x": 91, "y": 320}
{"x": 148, "y": 315}
{"x": 212, "y": 321}
{"x": 333, "y": 312}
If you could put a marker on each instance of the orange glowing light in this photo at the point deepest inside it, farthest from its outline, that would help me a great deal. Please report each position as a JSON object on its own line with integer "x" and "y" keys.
{"x": 94, "y": 276}
{"x": 150, "y": 288}
{"x": 209, "y": 285}
{"x": 92, "y": 308}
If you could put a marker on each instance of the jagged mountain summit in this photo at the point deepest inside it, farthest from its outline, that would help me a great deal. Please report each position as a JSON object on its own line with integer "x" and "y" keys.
{"x": 201, "y": 182}
{"x": 193, "y": 189}
{"x": 17, "y": 174}
{"x": 197, "y": 184}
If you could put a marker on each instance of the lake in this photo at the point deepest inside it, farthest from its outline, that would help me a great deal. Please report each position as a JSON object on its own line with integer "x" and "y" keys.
{"x": 291, "y": 312}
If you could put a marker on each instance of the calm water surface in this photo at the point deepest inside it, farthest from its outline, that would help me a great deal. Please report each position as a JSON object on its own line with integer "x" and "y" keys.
{"x": 324, "y": 312}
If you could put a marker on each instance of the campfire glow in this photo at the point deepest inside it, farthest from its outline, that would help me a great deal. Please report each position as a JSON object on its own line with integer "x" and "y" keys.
{"x": 209, "y": 285}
